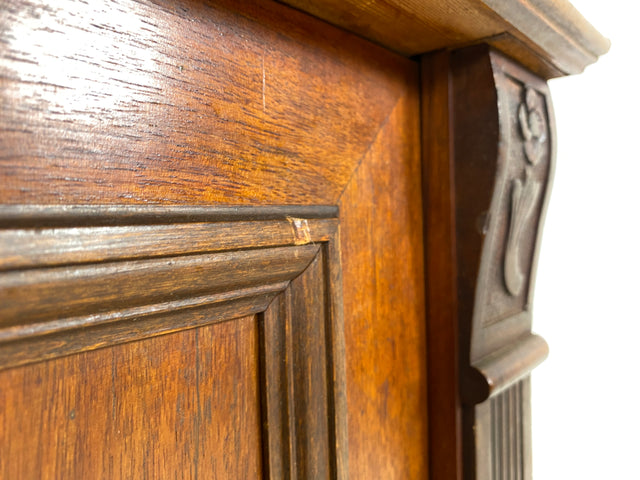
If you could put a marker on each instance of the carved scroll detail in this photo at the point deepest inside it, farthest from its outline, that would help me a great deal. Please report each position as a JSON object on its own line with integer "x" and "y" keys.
{"x": 524, "y": 195}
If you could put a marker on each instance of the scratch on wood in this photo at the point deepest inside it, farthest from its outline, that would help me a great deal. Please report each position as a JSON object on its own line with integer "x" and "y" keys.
{"x": 264, "y": 87}
{"x": 301, "y": 232}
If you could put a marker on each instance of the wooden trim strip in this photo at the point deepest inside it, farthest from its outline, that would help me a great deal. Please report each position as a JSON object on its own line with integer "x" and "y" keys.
{"x": 277, "y": 389}
{"x": 445, "y": 410}
{"x": 39, "y": 247}
{"x": 45, "y": 342}
{"x": 336, "y": 356}
{"x": 46, "y": 294}
{"x": 21, "y": 332}
{"x": 14, "y": 216}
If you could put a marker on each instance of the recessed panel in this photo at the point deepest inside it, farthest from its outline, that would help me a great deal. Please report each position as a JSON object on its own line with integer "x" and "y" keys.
{"x": 184, "y": 405}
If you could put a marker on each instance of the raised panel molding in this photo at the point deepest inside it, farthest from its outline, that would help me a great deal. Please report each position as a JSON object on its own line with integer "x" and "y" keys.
{"x": 503, "y": 162}
{"x": 78, "y": 278}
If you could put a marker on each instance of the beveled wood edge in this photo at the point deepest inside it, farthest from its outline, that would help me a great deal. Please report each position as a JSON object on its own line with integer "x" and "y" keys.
{"x": 336, "y": 351}
{"x": 40, "y": 295}
{"x": 74, "y": 245}
{"x": 502, "y": 369}
{"x": 137, "y": 314}
{"x": 31, "y": 341}
{"x": 93, "y": 332}
{"x": 280, "y": 450}
{"x": 277, "y": 401}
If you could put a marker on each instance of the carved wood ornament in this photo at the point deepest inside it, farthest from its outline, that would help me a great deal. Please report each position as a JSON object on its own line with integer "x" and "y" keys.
{"x": 503, "y": 165}
{"x": 524, "y": 193}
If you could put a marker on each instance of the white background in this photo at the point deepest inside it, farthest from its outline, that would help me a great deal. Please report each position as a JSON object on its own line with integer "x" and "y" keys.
{"x": 586, "y": 396}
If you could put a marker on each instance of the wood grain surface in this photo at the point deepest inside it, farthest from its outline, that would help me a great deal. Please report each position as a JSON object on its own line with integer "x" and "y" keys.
{"x": 187, "y": 103}
{"x": 304, "y": 389}
{"x": 381, "y": 237}
{"x": 312, "y": 413}
{"x": 111, "y": 106}
{"x": 68, "y": 286}
{"x": 179, "y": 102}
{"x": 179, "y": 406}
{"x": 75, "y": 291}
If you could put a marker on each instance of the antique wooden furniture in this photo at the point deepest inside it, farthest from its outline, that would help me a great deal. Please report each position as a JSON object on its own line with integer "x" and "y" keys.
{"x": 244, "y": 239}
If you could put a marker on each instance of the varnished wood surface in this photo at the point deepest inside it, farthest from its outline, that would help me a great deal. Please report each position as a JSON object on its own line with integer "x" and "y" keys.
{"x": 184, "y": 102}
{"x": 66, "y": 302}
{"x": 204, "y": 123}
{"x": 48, "y": 340}
{"x": 302, "y": 398}
{"x": 278, "y": 401}
{"x": 312, "y": 410}
{"x": 75, "y": 291}
{"x": 185, "y": 405}
{"x": 75, "y": 286}
{"x": 381, "y": 238}
{"x": 549, "y": 36}
{"x": 445, "y": 409}
{"x": 54, "y": 246}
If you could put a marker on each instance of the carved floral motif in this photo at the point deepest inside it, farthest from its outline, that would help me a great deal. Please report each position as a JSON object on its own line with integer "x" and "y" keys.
{"x": 532, "y": 126}
{"x": 524, "y": 193}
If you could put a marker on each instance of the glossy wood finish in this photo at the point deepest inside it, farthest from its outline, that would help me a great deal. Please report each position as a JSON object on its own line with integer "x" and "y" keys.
{"x": 381, "y": 232}
{"x": 326, "y": 109}
{"x": 87, "y": 279}
{"x": 87, "y": 287}
{"x": 185, "y": 103}
{"x": 550, "y": 37}
{"x": 132, "y": 134}
{"x": 185, "y": 405}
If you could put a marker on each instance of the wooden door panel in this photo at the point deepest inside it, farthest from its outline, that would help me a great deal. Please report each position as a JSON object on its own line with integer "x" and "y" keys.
{"x": 226, "y": 104}
{"x": 180, "y": 183}
{"x": 256, "y": 393}
{"x": 184, "y": 405}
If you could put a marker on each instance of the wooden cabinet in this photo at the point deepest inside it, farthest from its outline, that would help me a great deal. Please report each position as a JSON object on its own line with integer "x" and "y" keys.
{"x": 237, "y": 241}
